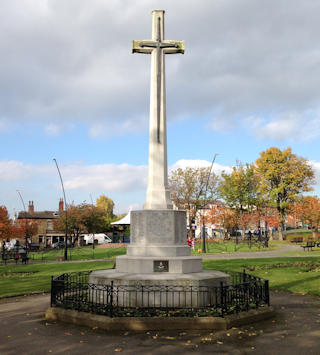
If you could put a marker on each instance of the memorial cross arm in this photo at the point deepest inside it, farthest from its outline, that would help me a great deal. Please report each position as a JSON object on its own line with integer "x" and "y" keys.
{"x": 146, "y": 46}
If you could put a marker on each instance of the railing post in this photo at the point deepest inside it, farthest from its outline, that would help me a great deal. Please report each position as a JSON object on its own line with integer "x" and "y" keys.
{"x": 266, "y": 290}
{"x": 222, "y": 298}
{"x": 51, "y": 297}
{"x": 111, "y": 299}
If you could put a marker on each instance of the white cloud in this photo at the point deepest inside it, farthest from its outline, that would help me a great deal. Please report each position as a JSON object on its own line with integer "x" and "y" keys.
{"x": 11, "y": 170}
{"x": 292, "y": 126}
{"x": 115, "y": 128}
{"x": 105, "y": 177}
{"x": 316, "y": 169}
{"x": 183, "y": 163}
{"x": 71, "y": 61}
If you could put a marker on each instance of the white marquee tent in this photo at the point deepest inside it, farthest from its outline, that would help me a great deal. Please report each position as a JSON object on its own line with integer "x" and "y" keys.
{"x": 124, "y": 220}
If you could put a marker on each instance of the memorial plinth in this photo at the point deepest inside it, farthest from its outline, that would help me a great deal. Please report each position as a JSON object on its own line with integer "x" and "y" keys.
{"x": 158, "y": 254}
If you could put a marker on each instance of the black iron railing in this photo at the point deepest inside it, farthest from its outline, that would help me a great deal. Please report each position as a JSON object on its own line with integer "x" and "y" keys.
{"x": 73, "y": 291}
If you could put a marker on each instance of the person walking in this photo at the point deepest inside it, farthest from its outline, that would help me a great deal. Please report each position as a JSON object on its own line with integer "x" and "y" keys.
{"x": 192, "y": 243}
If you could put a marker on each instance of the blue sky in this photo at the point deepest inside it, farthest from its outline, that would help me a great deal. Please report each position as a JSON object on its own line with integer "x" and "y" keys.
{"x": 70, "y": 89}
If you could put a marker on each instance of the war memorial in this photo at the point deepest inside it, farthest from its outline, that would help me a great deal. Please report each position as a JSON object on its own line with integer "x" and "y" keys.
{"x": 157, "y": 275}
{"x": 158, "y": 253}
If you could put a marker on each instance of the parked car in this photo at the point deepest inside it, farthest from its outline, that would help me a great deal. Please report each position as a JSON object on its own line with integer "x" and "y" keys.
{"x": 33, "y": 247}
{"x": 100, "y": 237}
{"x": 60, "y": 245}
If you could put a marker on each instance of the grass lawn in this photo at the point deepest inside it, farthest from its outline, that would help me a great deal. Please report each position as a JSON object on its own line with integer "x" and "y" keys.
{"x": 297, "y": 275}
{"x": 303, "y": 253}
{"x": 22, "y": 279}
{"x": 83, "y": 253}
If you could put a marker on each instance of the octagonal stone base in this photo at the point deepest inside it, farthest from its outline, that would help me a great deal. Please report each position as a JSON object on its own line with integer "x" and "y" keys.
{"x": 160, "y": 290}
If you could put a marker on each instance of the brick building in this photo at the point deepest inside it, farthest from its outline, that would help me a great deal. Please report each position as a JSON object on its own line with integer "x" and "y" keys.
{"x": 46, "y": 234}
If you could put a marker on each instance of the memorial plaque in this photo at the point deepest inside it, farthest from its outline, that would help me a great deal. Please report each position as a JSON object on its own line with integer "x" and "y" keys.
{"x": 160, "y": 266}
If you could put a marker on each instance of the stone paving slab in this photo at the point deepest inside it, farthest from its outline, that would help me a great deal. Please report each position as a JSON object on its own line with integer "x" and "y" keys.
{"x": 295, "y": 329}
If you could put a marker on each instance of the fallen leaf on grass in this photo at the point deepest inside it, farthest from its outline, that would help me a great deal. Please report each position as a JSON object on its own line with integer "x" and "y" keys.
{"x": 219, "y": 342}
{"x": 67, "y": 333}
{"x": 170, "y": 338}
{"x": 118, "y": 350}
{"x": 94, "y": 328}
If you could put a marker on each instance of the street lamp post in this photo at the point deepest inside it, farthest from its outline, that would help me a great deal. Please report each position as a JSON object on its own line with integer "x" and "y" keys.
{"x": 25, "y": 216}
{"x": 204, "y": 249}
{"x": 65, "y": 207}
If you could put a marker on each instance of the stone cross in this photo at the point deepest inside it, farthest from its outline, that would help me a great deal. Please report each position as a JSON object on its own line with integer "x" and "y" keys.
{"x": 158, "y": 195}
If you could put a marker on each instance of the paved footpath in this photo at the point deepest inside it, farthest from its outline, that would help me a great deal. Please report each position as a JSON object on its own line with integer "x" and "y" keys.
{"x": 236, "y": 255}
{"x": 295, "y": 329}
{"x": 277, "y": 253}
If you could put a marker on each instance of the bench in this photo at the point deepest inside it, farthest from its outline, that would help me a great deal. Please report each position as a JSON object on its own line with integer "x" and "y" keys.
{"x": 14, "y": 256}
{"x": 308, "y": 246}
{"x": 297, "y": 240}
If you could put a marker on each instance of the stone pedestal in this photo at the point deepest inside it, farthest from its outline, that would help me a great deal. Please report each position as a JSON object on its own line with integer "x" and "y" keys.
{"x": 159, "y": 260}
{"x": 195, "y": 289}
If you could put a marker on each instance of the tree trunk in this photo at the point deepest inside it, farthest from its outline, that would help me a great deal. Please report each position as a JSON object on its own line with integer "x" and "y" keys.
{"x": 280, "y": 233}
{"x": 280, "y": 222}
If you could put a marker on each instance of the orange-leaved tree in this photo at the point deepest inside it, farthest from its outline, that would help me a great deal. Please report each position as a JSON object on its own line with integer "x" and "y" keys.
{"x": 307, "y": 209}
{"x": 5, "y": 224}
{"x": 283, "y": 176}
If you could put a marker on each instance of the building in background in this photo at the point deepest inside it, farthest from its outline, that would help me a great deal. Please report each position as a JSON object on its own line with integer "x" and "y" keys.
{"x": 45, "y": 220}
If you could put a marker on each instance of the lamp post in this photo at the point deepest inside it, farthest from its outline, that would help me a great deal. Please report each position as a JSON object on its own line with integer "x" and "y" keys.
{"x": 65, "y": 207}
{"x": 92, "y": 225}
{"x": 25, "y": 216}
{"x": 204, "y": 249}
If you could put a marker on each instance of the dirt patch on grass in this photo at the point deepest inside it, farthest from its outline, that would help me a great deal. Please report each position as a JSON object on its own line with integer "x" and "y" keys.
{"x": 111, "y": 245}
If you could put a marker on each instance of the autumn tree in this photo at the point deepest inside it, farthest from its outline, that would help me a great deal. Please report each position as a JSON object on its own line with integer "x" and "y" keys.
{"x": 282, "y": 177}
{"x": 93, "y": 218}
{"x": 307, "y": 208}
{"x": 239, "y": 190}
{"x": 73, "y": 218}
{"x": 5, "y": 224}
{"x": 83, "y": 218}
{"x": 106, "y": 204}
{"x": 26, "y": 229}
{"x": 191, "y": 188}
{"x": 226, "y": 217}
